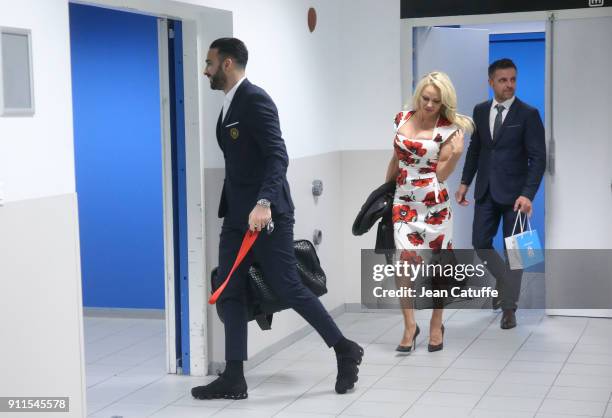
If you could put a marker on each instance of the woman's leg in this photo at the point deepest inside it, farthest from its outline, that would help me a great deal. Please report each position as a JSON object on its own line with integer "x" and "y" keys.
{"x": 409, "y": 326}
{"x": 435, "y": 327}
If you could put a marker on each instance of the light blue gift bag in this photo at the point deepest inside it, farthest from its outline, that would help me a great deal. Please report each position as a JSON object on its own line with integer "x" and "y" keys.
{"x": 524, "y": 249}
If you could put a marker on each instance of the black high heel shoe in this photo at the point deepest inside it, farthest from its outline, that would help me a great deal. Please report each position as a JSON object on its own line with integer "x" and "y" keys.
{"x": 408, "y": 348}
{"x": 437, "y": 347}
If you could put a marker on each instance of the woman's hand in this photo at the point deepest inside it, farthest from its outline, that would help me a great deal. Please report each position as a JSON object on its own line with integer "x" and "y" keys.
{"x": 456, "y": 143}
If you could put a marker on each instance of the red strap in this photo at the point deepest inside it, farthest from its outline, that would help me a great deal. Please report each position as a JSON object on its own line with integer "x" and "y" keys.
{"x": 247, "y": 243}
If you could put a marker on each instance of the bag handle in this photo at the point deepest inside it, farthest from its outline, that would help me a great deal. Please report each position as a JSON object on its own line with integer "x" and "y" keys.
{"x": 528, "y": 223}
{"x": 519, "y": 218}
{"x": 247, "y": 243}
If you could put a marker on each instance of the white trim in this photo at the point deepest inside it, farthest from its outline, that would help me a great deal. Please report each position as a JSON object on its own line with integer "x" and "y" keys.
{"x": 79, "y": 298}
{"x": 166, "y": 139}
{"x": 548, "y": 102}
{"x": 194, "y": 157}
{"x": 17, "y": 111}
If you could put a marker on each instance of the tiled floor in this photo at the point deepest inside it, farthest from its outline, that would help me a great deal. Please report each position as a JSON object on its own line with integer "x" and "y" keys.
{"x": 547, "y": 367}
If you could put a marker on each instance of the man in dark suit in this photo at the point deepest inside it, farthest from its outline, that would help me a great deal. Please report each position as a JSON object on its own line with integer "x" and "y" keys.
{"x": 508, "y": 152}
{"x": 255, "y": 190}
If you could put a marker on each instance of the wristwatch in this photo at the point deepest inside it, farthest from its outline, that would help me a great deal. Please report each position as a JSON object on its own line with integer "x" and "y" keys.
{"x": 264, "y": 203}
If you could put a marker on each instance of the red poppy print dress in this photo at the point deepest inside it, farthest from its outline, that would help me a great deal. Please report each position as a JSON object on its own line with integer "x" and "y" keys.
{"x": 422, "y": 216}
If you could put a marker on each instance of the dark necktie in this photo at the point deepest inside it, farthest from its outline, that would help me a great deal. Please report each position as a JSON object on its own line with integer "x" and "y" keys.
{"x": 498, "y": 120}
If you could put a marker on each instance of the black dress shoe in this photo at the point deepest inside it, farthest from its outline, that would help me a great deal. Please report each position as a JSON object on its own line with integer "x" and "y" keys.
{"x": 408, "y": 348}
{"x": 508, "y": 319}
{"x": 436, "y": 347}
{"x": 222, "y": 388}
{"x": 348, "y": 369}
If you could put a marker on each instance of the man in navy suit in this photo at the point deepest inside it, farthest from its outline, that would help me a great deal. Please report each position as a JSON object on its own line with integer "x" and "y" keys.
{"x": 255, "y": 191}
{"x": 508, "y": 152}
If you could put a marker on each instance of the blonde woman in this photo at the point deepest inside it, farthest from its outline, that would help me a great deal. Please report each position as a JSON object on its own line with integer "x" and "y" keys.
{"x": 427, "y": 146}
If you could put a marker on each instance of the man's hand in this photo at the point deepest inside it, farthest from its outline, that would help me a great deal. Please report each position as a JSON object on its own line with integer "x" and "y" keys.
{"x": 524, "y": 205}
{"x": 259, "y": 218}
{"x": 460, "y": 195}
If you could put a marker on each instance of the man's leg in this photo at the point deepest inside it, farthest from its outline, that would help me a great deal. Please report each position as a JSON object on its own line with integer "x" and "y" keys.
{"x": 486, "y": 222}
{"x": 276, "y": 256}
{"x": 231, "y": 384}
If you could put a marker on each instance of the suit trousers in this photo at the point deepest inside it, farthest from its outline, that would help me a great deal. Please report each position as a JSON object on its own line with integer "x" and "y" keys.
{"x": 487, "y": 214}
{"x": 275, "y": 255}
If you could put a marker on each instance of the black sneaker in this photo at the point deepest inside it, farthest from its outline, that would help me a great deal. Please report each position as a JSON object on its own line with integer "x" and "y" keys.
{"x": 222, "y": 388}
{"x": 348, "y": 368}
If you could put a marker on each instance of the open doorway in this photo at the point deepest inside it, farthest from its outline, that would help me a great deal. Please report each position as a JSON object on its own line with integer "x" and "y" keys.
{"x": 566, "y": 33}
{"x": 465, "y": 52}
{"x": 129, "y": 135}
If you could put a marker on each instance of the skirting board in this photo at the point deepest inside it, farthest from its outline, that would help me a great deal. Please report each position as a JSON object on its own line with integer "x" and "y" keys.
{"x": 219, "y": 366}
{"x": 124, "y": 313}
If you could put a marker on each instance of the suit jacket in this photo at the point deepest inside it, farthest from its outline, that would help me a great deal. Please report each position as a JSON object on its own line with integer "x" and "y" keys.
{"x": 513, "y": 164}
{"x": 255, "y": 155}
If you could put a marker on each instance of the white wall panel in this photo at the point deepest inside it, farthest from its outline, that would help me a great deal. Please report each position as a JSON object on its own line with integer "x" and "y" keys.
{"x": 40, "y": 301}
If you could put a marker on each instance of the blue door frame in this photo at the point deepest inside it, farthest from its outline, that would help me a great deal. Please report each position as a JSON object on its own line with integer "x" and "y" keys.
{"x": 179, "y": 195}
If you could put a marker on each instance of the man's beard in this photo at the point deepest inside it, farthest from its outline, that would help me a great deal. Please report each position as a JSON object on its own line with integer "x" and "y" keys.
{"x": 218, "y": 80}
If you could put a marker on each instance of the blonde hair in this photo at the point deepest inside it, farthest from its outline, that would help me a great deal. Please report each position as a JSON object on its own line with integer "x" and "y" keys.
{"x": 448, "y": 96}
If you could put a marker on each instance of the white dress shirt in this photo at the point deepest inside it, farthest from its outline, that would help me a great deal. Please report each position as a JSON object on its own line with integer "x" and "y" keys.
{"x": 230, "y": 96}
{"x": 493, "y": 112}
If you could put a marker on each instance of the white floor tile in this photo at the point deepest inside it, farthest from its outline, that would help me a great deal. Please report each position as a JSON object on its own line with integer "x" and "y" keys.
{"x": 558, "y": 406}
{"x": 488, "y": 413}
{"x": 479, "y": 363}
{"x": 127, "y": 410}
{"x": 391, "y": 395}
{"x": 283, "y": 414}
{"x": 505, "y": 403}
{"x": 166, "y": 390}
{"x": 448, "y": 399}
{"x": 319, "y": 406}
{"x": 414, "y": 372}
{"x": 545, "y": 356}
{"x": 533, "y": 367}
{"x": 459, "y": 386}
{"x": 433, "y": 411}
{"x": 431, "y": 360}
{"x": 173, "y": 411}
{"x": 580, "y": 381}
{"x": 403, "y": 383}
{"x": 267, "y": 405}
{"x": 587, "y": 369}
{"x": 453, "y": 373}
{"x": 546, "y": 379}
{"x": 579, "y": 394}
{"x": 521, "y": 391}
{"x": 375, "y": 409}
{"x": 600, "y": 359}
{"x": 482, "y": 372}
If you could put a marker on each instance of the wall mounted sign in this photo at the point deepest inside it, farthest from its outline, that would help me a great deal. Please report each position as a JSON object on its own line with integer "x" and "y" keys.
{"x": 16, "y": 86}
